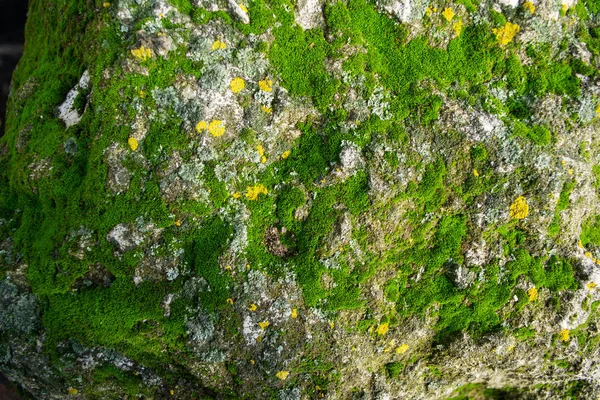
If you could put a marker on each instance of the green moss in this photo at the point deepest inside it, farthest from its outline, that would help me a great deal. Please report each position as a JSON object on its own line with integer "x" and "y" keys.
{"x": 299, "y": 57}
{"x": 561, "y": 205}
{"x": 394, "y": 369}
{"x": 590, "y": 232}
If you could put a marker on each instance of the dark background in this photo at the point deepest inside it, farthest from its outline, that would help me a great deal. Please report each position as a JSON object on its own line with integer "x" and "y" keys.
{"x": 12, "y": 25}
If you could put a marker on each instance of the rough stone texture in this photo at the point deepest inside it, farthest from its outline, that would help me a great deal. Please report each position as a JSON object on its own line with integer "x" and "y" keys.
{"x": 303, "y": 199}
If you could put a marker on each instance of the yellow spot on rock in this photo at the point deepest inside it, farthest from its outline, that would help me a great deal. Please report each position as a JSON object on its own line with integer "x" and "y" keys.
{"x": 506, "y": 33}
{"x": 252, "y": 192}
{"x": 237, "y": 85}
{"x": 529, "y": 6}
{"x": 264, "y": 324}
{"x": 591, "y": 285}
{"x": 261, "y": 152}
{"x": 201, "y": 126}
{"x": 133, "y": 143}
{"x": 142, "y": 53}
{"x": 72, "y": 391}
{"x": 564, "y": 335}
{"x": 218, "y": 45}
{"x": 383, "y": 328}
{"x": 286, "y": 154}
{"x": 230, "y": 300}
{"x": 532, "y": 293}
{"x": 243, "y": 7}
{"x": 448, "y": 13}
{"x": 252, "y": 307}
{"x": 282, "y": 375}
{"x": 475, "y": 172}
{"x": 403, "y": 348}
{"x": 265, "y": 85}
{"x": 216, "y": 128}
{"x": 519, "y": 209}
{"x": 457, "y": 27}
{"x": 294, "y": 313}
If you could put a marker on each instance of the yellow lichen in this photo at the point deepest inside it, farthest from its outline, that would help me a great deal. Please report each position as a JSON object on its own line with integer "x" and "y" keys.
{"x": 265, "y": 85}
{"x": 282, "y": 375}
{"x": 505, "y": 34}
{"x": 261, "y": 152}
{"x": 252, "y": 307}
{"x": 264, "y": 324}
{"x": 383, "y": 328}
{"x": 216, "y": 128}
{"x": 252, "y": 192}
{"x": 294, "y": 313}
{"x": 403, "y": 348}
{"x": 591, "y": 285}
{"x": 218, "y": 45}
{"x": 142, "y": 53}
{"x": 532, "y": 293}
{"x": 201, "y": 126}
{"x": 448, "y": 13}
{"x": 286, "y": 154}
{"x": 237, "y": 84}
{"x": 529, "y": 6}
{"x": 133, "y": 143}
{"x": 519, "y": 209}
{"x": 457, "y": 27}
{"x": 564, "y": 335}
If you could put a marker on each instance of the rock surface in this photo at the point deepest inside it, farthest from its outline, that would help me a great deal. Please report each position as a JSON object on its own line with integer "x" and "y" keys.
{"x": 303, "y": 199}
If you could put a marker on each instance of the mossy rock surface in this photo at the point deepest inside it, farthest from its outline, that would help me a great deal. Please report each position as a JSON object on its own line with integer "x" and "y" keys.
{"x": 275, "y": 199}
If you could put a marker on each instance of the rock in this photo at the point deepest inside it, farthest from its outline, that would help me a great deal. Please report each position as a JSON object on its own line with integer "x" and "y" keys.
{"x": 309, "y": 14}
{"x": 125, "y": 237}
{"x": 314, "y": 199}
{"x": 67, "y": 111}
